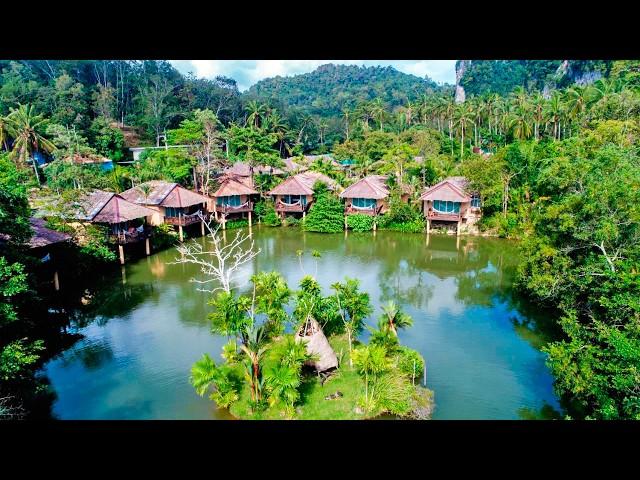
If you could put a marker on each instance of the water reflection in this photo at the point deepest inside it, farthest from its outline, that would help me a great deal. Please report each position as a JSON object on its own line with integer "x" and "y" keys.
{"x": 480, "y": 340}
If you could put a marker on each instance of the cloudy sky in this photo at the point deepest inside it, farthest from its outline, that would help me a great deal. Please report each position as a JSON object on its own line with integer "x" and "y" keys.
{"x": 248, "y": 72}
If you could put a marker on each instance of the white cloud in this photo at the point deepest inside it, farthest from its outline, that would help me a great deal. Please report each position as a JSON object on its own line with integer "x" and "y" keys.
{"x": 248, "y": 72}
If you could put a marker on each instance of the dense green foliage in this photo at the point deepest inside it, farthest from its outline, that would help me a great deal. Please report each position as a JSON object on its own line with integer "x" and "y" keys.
{"x": 326, "y": 214}
{"x": 360, "y": 222}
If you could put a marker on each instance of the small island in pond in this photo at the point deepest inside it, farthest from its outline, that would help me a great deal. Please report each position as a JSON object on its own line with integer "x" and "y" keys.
{"x": 319, "y": 370}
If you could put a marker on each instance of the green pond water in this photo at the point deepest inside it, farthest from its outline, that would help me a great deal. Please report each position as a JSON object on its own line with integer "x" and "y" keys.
{"x": 146, "y": 325}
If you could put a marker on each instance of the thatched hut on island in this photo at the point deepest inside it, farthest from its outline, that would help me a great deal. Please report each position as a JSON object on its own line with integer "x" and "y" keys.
{"x": 317, "y": 345}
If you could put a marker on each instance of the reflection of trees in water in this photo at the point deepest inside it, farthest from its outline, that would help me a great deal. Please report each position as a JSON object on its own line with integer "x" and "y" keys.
{"x": 111, "y": 300}
{"x": 92, "y": 355}
{"x": 546, "y": 412}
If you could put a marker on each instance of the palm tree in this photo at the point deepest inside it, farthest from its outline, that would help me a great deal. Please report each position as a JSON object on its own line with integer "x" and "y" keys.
{"x": 25, "y": 127}
{"x": 394, "y": 318}
{"x": 256, "y": 112}
{"x": 346, "y": 113}
{"x": 283, "y": 382}
{"x": 553, "y": 112}
{"x": 538, "y": 103}
{"x": 370, "y": 360}
{"x": 4, "y": 132}
{"x": 254, "y": 347}
{"x": 378, "y": 111}
{"x": 520, "y": 122}
{"x": 353, "y": 305}
{"x": 463, "y": 117}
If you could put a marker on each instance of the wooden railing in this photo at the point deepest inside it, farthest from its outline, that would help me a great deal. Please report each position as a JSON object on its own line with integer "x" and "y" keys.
{"x": 226, "y": 209}
{"x": 123, "y": 238}
{"x": 283, "y": 207}
{"x": 350, "y": 210}
{"x": 445, "y": 217}
{"x": 183, "y": 220}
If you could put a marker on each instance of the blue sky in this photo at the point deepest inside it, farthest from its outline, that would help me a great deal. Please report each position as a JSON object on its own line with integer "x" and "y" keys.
{"x": 248, "y": 72}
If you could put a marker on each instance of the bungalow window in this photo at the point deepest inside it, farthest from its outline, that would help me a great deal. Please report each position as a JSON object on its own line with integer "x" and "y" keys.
{"x": 364, "y": 202}
{"x": 443, "y": 206}
{"x": 229, "y": 201}
{"x": 294, "y": 199}
{"x": 475, "y": 201}
{"x": 173, "y": 212}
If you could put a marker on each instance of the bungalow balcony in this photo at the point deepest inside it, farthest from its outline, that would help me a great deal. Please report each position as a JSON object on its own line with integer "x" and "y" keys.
{"x": 132, "y": 235}
{"x": 184, "y": 220}
{"x": 298, "y": 207}
{"x": 227, "y": 209}
{"x": 444, "y": 217}
{"x": 372, "y": 211}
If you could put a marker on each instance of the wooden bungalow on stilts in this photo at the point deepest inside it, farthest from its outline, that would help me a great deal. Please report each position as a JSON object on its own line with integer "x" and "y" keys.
{"x": 44, "y": 245}
{"x": 171, "y": 204}
{"x": 126, "y": 221}
{"x": 234, "y": 197}
{"x": 449, "y": 203}
{"x": 295, "y": 194}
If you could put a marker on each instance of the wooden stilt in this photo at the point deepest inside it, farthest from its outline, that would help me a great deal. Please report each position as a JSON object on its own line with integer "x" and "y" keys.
{"x": 56, "y": 281}
{"x": 224, "y": 222}
{"x": 458, "y": 242}
{"x": 428, "y": 226}
{"x": 375, "y": 224}
{"x": 121, "y": 251}
{"x": 202, "y": 227}
{"x": 458, "y": 228}
{"x": 250, "y": 217}
{"x": 147, "y": 246}
{"x": 346, "y": 224}
{"x": 180, "y": 233}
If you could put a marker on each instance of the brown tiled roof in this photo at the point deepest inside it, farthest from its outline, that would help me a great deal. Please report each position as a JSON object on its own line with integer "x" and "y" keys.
{"x": 244, "y": 170}
{"x": 43, "y": 236}
{"x": 302, "y": 184}
{"x": 373, "y": 186}
{"x": 165, "y": 194}
{"x": 86, "y": 159}
{"x": 234, "y": 185}
{"x": 450, "y": 189}
{"x": 292, "y": 166}
{"x": 108, "y": 207}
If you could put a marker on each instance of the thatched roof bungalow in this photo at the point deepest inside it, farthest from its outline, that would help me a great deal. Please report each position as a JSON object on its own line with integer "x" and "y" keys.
{"x": 171, "y": 202}
{"x": 451, "y": 201}
{"x": 125, "y": 219}
{"x": 44, "y": 236}
{"x": 234, "y": 195}
{"x": 367, "y": 196}
{"x": 295, "y": 194}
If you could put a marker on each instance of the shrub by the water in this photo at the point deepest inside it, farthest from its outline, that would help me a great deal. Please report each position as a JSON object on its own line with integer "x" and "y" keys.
{"x": 291, "y": 221}
{"x": 326, "y": 214}
{"x": 239, "y": 223}
{"x": 271, "y": 218}
{"x": 402, "y": 217}
{"x": 360, "y": 222}
{"x": 164, "y": 235}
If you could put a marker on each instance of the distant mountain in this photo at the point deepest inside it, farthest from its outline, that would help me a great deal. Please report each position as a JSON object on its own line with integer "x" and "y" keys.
{"x": 330, "y": 88}
{"x": 476, "y": 77}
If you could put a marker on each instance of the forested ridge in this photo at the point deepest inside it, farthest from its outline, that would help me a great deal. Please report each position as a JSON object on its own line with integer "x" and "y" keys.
{"x": 557, "y": 170}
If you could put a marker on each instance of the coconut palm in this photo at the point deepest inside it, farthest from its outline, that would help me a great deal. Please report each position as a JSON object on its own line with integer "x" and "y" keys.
{"x": 463, "y": 118}
{"x": 25, "y": 127}
{"x": 257, "y": 111}
{"x": 394, "y": 318}
{"x": 4, "y": 133}
{"x": 538, "y": 103}
{"x": 553, "y": 112}
{"x": 378, "y": 111}
{"x": 520, "y": 122}
{"x": 346, "y": 113}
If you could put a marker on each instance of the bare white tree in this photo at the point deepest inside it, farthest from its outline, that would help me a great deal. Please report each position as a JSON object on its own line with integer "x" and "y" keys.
{"x": 221, "y": 262}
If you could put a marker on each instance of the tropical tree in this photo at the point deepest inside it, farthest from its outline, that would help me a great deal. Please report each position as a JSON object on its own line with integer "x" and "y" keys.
{"x": 394, "y": 318}
{"x": 26, "y": 128}
{"x": 463, "y": 118}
